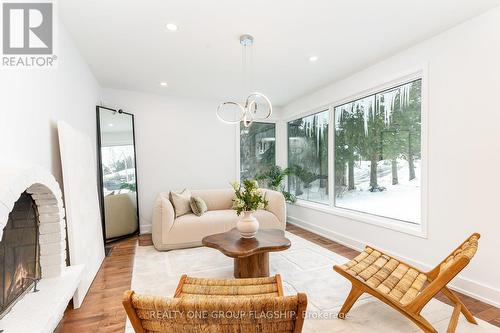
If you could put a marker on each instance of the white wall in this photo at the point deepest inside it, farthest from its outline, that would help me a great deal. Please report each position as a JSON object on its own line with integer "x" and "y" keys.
{"x": 180, "y": 144}
{"x": 464, "y": 141}
{"x": 33, "y": 100}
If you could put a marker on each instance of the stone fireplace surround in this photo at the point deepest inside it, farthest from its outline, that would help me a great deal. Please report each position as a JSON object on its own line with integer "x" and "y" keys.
{"x": 47, "y": 195}
{"x": 41, "y": 311}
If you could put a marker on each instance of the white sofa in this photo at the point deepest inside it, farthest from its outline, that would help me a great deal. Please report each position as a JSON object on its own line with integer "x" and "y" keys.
{"x": 188, "y": 230}
{"x": 120, "y": 211}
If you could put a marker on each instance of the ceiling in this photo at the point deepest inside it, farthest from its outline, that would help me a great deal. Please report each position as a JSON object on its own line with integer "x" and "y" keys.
{"x": 128, "y": 46}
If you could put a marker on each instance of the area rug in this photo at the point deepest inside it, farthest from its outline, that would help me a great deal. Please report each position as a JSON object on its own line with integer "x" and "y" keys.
{"x": 305, "y": 267}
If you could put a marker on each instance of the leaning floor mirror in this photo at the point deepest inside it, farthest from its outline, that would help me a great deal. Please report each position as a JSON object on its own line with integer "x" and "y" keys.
{"x": 118, "y": 173}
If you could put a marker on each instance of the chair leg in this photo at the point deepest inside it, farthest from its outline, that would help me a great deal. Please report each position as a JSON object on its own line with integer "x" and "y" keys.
{"x": 422, "y": 323}
{"x": 454, "y": 298}
{"x": 349, "y": 302}
{"x": 452, "y": 326}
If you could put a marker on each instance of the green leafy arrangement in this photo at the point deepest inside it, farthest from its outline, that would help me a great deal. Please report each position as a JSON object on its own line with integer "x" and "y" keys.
{"x": 131, "y": 187}
{"x": 249, "y": 196}
{"x": 274, "y": 178}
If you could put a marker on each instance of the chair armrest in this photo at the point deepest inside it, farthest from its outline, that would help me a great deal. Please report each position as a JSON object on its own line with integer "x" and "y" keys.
{"x": 132, "y": 315}
{"x": 163, "y": 219}
{"x": 276, "y": 205}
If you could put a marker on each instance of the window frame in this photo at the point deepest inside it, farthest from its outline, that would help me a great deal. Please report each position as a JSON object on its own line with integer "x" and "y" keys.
{"x": 238, "y": 144}
{"x": 374, "y": 95}
{"x": 407, "y": 227}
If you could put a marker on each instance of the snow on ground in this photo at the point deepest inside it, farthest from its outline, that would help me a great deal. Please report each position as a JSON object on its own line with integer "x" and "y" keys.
{"x": 315, "y": 193}
{"x": 401, "y": 201}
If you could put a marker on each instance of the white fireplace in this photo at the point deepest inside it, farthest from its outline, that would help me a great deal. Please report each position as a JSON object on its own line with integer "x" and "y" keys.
{"x": 38, "y": 311}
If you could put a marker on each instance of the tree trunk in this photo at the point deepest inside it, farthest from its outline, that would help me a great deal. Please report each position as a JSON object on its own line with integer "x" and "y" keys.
{"x": 373, "y": 173}
{"x": 343, "y": 174}
{"x": 249, "y": 165}
{"x": 411, "y": 167}
{"x": 298, "y": 186}
{"x": 351, "y": 175}
{"x": 340, "y": 175}
{"x": 394, "y": 166}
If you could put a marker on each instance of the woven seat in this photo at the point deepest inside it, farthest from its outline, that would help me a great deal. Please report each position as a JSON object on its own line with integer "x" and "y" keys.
{"x": 218, "y": 306}
{"x": 387, "y": 275}
{"x": 406, "y": 288}
{"x": 253, "y": 287}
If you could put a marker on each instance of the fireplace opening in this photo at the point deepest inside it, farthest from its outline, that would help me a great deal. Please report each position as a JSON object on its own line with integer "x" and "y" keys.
{"x": 19, "y": 253}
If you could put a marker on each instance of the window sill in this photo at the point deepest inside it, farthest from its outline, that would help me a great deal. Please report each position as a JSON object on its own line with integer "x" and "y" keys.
{"x": 418, "y": 230}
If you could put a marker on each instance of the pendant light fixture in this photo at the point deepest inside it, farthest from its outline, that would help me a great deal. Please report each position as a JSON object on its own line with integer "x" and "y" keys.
{"x": 256, "y": 106}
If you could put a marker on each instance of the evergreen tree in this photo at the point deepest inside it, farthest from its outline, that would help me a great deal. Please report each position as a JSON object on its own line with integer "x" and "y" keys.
{"x": 251, "y": 137}
{"x": 310, "y": 162}
{"x": 408, "y": 122}
{"x": 391, "y": 150}
{"x": 341, "y": 152}
{"x": 372, "y": 143}
{"x": 385, "y": 126}
{"x": 393, "y": 140}
{"x": 354, "y": 139}
{"x": 349, "y": 136}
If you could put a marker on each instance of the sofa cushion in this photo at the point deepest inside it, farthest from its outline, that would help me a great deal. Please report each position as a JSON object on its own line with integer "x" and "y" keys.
{"x": 181, "y": 202}
{"x": 190, "y": 227}
{"x": 216, "y": 199}
{"x": 198, "y": 206}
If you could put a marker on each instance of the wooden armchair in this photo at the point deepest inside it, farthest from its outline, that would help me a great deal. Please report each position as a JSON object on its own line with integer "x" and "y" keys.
{"x": 406, "y": 288}
{"x": 219, "y": 306}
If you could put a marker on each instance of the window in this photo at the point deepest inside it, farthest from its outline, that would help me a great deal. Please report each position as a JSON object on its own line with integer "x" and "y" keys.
{"x": 118, "y": 168}
{"x": 308, "y": 157}
{"x": 257, "y": 148}
{"x": 377, "y": 153}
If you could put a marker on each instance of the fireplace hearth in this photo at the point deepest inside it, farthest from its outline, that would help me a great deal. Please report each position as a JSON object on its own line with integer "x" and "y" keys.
{"x": 19, "y": 253}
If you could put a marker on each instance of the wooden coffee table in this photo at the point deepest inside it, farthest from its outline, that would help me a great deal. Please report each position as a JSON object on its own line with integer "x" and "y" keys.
{"x": 251, "y": 255}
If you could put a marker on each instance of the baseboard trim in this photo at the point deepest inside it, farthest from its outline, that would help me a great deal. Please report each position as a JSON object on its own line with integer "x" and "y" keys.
{"x": 146, "y": 228}
{"x": 479, "y": 291}
{"x": 334, "y": 236}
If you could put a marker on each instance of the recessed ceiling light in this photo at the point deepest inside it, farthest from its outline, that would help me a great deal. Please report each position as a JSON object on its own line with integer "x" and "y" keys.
{"x": 163, "y": 84}
{"x": 313, "y": 58}
{"x": 172, "y": 27}
{"x": 111, "y": 124}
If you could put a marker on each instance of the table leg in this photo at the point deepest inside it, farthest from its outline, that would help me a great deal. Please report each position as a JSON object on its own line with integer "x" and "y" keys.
{"x": 253, "y": 266}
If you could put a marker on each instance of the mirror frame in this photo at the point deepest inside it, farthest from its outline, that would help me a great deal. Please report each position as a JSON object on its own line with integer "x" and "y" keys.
{"x": 100, "y": 174}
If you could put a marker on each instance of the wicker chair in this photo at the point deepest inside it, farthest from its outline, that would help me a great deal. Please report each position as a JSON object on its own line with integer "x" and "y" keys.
{"x": 219, "y": 306}
{"x": 406, "y": 288}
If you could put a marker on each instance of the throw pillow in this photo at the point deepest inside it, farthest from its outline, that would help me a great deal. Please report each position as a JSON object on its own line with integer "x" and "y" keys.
{"x": 181, "y": 203}
{"x": 198, "y": 206}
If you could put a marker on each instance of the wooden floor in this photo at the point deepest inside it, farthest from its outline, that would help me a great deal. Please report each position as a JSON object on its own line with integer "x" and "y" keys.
{"x": 479, "y": 309}
{"x": 102, "y": 311}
